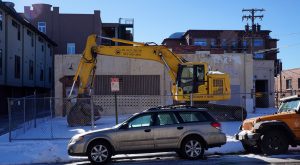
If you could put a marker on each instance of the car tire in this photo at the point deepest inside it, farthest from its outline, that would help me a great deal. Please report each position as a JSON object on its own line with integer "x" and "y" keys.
{"x": 192, "y": 148}
{"x": 273, "y": 143}
{"x": 99, "y": 152}
{"x": 251, "y": 149}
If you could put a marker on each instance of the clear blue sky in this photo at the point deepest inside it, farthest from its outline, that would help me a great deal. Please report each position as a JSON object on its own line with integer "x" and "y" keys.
{"x": 158, "y": 19}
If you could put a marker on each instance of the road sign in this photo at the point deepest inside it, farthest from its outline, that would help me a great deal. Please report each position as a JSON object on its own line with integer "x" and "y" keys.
{"x": 114, "y": 85}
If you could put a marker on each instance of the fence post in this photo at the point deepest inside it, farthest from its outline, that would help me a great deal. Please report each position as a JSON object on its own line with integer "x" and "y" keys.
{"x": 34, "y": 113}
{"x": 191, "y": 99}
{"x": 51, "y": 124}
{"x": 9, "y": 120}
{"x": 24, "y": 116}
{"x": 116, "y": 107}
{"x": 92, "y": 112}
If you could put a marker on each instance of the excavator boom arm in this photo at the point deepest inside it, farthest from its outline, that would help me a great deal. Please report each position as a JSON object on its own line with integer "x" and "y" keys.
{"x": 139, "y": 51}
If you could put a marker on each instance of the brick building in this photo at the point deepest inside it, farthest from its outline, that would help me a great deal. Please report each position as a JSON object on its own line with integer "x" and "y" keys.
{"x": 69, "y": 31}
{"x": 259, "y": 45}
{"x": 26, "y": 57}
{"x": 288, "y": 82}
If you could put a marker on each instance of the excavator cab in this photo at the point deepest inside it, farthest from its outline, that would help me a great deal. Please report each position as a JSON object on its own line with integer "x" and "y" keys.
{"x": 190, "y": 77}
{"x": 195, "y": 78}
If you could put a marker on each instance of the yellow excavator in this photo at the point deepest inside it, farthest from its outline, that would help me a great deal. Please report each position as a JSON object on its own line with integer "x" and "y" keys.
{"x": 192, "y": 81}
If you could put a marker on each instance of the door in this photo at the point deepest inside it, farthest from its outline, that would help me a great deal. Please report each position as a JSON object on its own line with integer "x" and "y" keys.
{"x": 167, "y": 131}
{"x": 261, "y": 94}
{"x": 138, "y": 135}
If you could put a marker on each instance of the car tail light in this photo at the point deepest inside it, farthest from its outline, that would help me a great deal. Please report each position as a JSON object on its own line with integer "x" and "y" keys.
{"x": 216, "y": 125}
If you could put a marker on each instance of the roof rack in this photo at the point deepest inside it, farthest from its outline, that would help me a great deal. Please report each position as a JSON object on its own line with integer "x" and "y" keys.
{"x": 171, "y": 107}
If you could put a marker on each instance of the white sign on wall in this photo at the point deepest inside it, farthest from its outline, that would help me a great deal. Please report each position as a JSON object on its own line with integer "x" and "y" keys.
{"x": 114, "y": 85}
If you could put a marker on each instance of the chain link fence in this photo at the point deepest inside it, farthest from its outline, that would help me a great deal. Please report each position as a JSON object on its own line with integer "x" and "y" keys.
{"x": 60, "y": 118}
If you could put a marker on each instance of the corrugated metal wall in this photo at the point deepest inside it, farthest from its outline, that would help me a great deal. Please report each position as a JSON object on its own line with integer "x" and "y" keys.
{"x": 129, "y": 84}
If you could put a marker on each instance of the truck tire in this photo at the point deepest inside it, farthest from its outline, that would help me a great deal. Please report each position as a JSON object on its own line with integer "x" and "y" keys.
{"x": 273, "y": 143}
{"x": 251, "y": 149}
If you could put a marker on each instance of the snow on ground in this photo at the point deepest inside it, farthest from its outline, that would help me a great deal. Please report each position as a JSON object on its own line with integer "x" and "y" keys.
{"x": 54, "y": 151}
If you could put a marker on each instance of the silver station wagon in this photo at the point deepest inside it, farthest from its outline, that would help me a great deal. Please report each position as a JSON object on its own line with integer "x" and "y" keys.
{"x": 184, "y": 129}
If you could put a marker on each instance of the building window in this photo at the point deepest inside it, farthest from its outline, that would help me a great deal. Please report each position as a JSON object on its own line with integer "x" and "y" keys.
{"x": 42, "y": 27}
{"x": 224, "y": 43}
{"x": 213, "y": 43}
{"x": 1, "y": 20}
{"x": 30, "y": 70}
{"x": 50, "y": 74}
{"x": 1, "y": 60}
{"x": 259, "y": 56}
{"x": 29, "y": 33}
{"x": 244, "y": 43}
{"x": 43, "y": 48}
{"x": 289, "y": 84}
{"x": 234, "y": 44}
{"x": 41, "y": 75}
{"x": 200, "y": 42}
{"x": 258, "y": 42}
{"x": 16, "y": 25}
{"x": 17, "y": 67}
{"x": 71, "y": 48}
{"x": 298, "y": 82}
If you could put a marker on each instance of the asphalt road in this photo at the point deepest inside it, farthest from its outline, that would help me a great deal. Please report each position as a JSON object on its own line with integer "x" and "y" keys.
{"x": 172, "y": 158}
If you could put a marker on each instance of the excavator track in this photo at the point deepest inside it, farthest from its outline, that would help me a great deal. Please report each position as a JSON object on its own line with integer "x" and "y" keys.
{"x": 225, "y": 112}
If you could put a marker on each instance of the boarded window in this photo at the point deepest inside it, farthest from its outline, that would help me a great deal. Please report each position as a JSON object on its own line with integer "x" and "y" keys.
{"x": 129, "y": 84}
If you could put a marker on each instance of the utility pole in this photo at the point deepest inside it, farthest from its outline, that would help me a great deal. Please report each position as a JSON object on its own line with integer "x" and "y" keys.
{"x": 255, "y": 28}
{"x": 252, "y": 16}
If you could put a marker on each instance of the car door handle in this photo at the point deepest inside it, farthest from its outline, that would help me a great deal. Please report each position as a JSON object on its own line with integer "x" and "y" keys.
{"x": 180, "y": 127}
{"x": 147, "y": 130}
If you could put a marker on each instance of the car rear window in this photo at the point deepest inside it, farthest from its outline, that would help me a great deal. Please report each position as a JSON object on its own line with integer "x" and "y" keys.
{"x": 194, "y": 116}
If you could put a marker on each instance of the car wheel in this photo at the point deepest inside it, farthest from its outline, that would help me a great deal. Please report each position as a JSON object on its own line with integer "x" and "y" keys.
{"x": 192, "y": 148}
{"x": 251, "y": 149}
{"x": 99, "y": 153}
{"x": 274, "y": 143}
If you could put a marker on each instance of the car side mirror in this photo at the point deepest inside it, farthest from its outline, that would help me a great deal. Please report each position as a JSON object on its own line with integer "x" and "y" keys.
{"x": 124, "y": 126}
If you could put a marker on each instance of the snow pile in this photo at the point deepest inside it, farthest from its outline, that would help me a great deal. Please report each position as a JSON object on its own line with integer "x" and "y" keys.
{"x": 55, "y": 151}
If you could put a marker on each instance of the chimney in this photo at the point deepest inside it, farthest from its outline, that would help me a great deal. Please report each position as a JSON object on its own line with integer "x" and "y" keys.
{"x": 56, "y": 10}
{"x": 97, "y": 13}
{"x": 27, "y": 12}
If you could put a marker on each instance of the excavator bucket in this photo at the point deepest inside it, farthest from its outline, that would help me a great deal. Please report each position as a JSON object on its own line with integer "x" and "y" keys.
{"x": 80, "y": 113}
